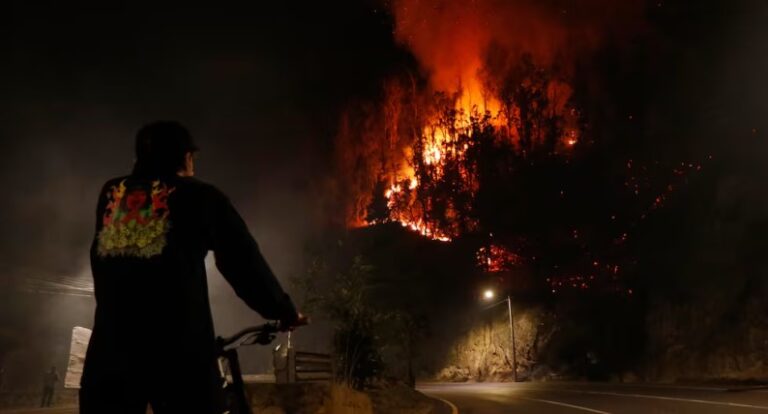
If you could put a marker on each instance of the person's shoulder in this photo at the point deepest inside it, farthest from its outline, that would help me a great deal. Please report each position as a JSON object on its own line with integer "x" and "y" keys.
{"x": 201, "y": 187}
{"x": 195, "y": 184}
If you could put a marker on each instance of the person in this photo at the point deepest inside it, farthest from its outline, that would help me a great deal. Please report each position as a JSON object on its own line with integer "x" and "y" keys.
{"x": 50, "y": 379}
{"x": 153, "y": 338}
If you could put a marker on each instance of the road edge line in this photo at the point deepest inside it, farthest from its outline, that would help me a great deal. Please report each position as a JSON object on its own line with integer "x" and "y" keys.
{"x": 576, "y": 407}
{"x": 661, "y": 397}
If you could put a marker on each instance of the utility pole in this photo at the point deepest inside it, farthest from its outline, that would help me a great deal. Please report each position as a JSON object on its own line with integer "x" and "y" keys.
{"x": 512, "y": 334}
{"x": 489, "y": 294}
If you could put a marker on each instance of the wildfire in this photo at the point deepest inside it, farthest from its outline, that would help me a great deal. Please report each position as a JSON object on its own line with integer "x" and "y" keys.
{"x": 418, "y": 226}
{"x": 496, "y": 99}
{"x": 421, "y": 228}
{"x": 439, "y": 158}
{"x": 520, "y": 96}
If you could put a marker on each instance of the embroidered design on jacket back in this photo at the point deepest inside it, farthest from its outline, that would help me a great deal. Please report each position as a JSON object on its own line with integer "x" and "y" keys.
{"x": 135, "y": 221}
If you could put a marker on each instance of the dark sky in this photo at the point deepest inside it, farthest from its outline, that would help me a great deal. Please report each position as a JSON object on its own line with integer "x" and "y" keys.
{"x": 259, "y": 87}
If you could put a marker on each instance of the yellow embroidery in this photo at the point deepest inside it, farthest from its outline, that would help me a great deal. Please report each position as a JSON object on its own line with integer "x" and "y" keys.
{"x": 135, "y": 220}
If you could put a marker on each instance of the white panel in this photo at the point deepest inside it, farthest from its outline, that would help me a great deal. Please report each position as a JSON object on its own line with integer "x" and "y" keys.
{"x": 80, "y": 338}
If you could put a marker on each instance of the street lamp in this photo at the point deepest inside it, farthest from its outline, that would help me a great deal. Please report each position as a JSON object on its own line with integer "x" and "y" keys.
{"x": 489, "y": 295}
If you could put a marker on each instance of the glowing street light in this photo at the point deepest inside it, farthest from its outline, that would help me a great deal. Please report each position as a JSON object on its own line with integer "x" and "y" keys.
{"x": 489, "y": 294}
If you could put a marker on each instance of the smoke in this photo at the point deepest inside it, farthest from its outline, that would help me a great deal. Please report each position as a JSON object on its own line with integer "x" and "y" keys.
{"x": 450, "y": 38}
{"x": 259, "y": 86}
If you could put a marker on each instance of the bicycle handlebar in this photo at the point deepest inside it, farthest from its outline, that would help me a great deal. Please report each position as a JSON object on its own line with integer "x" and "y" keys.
{"x": 261, "y": 334}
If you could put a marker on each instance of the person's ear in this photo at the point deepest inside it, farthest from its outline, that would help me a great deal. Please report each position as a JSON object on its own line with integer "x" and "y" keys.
{"x": 190, "y": 163}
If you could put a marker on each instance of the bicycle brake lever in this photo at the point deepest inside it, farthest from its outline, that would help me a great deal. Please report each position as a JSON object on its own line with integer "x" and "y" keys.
{"x": 265, "y": 338}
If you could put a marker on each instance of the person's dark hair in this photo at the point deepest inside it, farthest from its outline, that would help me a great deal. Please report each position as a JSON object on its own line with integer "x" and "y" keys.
{"x": 161, "y": 147}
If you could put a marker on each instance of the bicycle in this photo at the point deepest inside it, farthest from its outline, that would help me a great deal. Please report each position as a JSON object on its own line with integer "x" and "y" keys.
{"x": 235, "y": 397}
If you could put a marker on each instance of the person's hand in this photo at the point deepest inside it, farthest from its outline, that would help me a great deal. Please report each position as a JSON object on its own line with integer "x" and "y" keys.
{"x": 300, "y": 320}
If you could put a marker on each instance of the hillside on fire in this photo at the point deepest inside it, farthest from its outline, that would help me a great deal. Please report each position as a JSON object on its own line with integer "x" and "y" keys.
{"x": 546, "y": 162}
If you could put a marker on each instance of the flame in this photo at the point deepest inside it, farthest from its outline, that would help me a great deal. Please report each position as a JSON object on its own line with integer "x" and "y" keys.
{"x": 443, "y": 144}
{"x": 418, "y": 226}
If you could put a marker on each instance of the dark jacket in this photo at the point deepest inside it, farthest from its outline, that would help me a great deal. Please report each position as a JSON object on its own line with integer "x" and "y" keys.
{"x": 147, "y": 258}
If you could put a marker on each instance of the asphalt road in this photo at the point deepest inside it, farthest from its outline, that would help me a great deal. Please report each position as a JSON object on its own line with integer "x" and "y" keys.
{"x": 573, "y": 398}
{"x": 576, "y": 398}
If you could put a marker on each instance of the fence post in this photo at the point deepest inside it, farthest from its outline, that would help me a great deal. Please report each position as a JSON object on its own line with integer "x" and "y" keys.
{"x": 291, "y": 365}
{"x": 280, "y": 365}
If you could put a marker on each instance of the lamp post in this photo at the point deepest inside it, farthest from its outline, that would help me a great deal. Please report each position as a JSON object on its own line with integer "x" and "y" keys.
{"x": 489, "y": 295}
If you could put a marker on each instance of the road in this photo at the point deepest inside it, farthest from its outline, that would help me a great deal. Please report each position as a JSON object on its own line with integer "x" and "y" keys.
{"x": 583, "y": 398}
{"x": 574, "y": 398}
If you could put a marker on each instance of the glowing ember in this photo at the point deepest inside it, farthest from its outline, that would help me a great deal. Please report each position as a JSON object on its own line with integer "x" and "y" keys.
{"x": 497, "y": 258}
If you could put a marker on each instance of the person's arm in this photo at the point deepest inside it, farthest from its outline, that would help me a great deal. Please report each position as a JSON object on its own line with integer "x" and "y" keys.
{"x": 239, "y": 259}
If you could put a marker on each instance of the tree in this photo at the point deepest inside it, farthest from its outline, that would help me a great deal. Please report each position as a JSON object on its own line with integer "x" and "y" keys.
{"x": 344, "y": 298}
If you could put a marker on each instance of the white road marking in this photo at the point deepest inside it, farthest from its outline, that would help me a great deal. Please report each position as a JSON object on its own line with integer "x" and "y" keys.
{"x": 562, "y": 404}
{"x": 669, "y": 386}
{"x": 454, "y": 409}
{"x": 659, "y": 397}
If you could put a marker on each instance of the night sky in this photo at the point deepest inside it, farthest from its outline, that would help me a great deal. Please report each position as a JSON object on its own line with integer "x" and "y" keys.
{"x": 260, "y": 88}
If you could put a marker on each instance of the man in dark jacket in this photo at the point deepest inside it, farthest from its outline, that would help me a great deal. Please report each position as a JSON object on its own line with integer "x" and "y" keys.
{"x": 153, "y": 337}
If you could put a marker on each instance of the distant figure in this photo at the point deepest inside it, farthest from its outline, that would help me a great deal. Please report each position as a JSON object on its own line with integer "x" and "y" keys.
{"x": 153, "y": 339}
{"x": 50, "y": 379}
